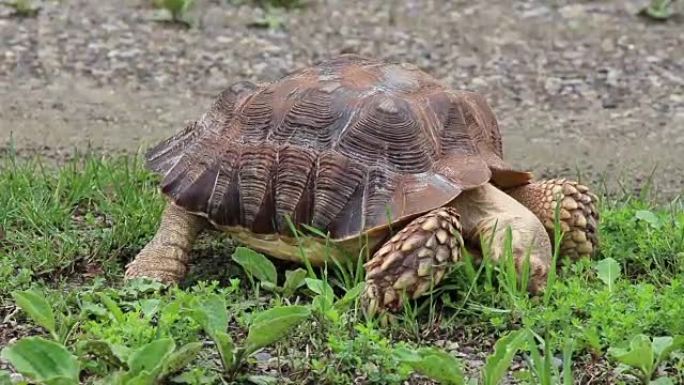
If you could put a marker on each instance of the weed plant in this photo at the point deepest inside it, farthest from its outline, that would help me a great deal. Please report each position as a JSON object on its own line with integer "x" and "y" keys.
{"x": 66, "y": 232}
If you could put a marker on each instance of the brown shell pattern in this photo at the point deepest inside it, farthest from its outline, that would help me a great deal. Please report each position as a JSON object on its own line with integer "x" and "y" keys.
{"x": 345, "y": 146}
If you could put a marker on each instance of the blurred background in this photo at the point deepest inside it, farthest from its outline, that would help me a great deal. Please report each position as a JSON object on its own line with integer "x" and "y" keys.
{"x": 589, "y": 86}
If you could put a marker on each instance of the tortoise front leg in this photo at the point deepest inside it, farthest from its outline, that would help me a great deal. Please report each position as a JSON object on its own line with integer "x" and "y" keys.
{"x": 487, "y": 212}
{"x": 166, "y": 256}
{"x": 413, "y": 260}
{"x": 578, "y": 214}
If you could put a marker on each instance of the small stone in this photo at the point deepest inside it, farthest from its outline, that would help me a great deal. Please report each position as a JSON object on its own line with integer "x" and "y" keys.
{"x": 262, "y": 357}
{"x": 552, "y": 85}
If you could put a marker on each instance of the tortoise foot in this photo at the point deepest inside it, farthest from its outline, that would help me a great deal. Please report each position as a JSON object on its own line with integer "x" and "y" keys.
{"x": 578, "y": 213}
{"x": 158, "y": 262}
{"x": 413, "y": 261}
{"x": 166, "y": 256}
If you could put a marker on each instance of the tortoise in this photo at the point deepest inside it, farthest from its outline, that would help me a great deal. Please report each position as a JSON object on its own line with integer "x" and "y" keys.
{"x": 381, "y": 158}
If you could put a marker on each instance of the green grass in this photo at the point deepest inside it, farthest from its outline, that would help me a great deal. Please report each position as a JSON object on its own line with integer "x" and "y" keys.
{"x": 68, "y": 232}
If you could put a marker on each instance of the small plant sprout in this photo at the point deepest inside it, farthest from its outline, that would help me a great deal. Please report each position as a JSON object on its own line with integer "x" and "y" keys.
{"x": 643, "y": 356}
{"x": 22, "y": 8}
{"x": 608, "y": 270}
{"x": 45, "y": 361}
{"x": 177, "y": 9}
{"x": 266, "y": 327}
{"x": 660, "y": 10}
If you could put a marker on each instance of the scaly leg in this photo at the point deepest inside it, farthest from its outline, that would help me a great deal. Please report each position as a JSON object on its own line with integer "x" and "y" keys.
{"x": 578, "y": 214}
{"x": 488, "y": 212}
{"x": 413, "y": 260}
{"x": 166, "y": 256}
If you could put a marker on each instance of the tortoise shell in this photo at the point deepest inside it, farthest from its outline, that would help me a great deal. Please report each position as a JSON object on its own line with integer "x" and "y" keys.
{"x": 347, "y": 146}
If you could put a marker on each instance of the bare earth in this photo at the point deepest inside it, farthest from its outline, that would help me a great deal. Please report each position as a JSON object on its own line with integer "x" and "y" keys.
{"x": 575, "y": 84}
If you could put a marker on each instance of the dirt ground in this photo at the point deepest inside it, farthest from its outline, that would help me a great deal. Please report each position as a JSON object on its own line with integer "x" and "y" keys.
{"x": 575, "y": 84}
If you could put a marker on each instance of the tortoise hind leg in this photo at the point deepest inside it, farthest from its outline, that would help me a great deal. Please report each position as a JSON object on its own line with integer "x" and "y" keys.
{"x": 578, "y": 213}
{"x": 166, "y": 256}
{"x": 413, "y": 260}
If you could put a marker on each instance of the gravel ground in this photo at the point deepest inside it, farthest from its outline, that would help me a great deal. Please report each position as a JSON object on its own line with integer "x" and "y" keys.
{"x": 576, "y": 84}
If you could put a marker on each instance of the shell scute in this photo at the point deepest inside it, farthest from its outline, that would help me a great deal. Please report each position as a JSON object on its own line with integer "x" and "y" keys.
{"x": 346, "y": 146}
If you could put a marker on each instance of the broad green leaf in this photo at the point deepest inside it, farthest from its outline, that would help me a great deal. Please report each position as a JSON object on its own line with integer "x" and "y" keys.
{"x": 114, "y": 378}
{"x": 505, "y": 349}
{"x": 210, "y": 312}
{"x": 350, "y": 296}
{"x": 94, "y": 309}
{"x": 332, "y": 314}
{"x": 5, "y": 378}
{"x": 608, "y": 271}
{"x": 177, "y": 7}
{"x": 256, "y": 264}
{"x": 294, "y": 279}
{"x": 658, "y": 9}
{"x": 663, "y": 346}
{"x": 102, "y": 350}
{"x": 37, "y": 307}
{"x": 660, "y": 345}
{"x": 268, "y": 286}
{"x": 149, "y": 307}
{"x": 568, "y": 349}
{"x": 143, "y": 285}
{"x": 639, "y": 355}
{"x": 142, "y": 378}
{"x": 121, "y": 351}
{"x": 540, "y": 367}
{"x": 226, "y": 349}
{"x": 433, "y": 363}
{"x": 648, "y": 217}
{"x": 319, "y": 287}
{"x": 113, "y": 308}
{"x": 322, "y": 303}
{"x": 59, "y": 381}
{"x": 662, "y": 381}
{"x": 42, "y": 360}
{"x": 180, "y": 358}
{"x": 273, "y": 324}
{"x": 150, "y": 357}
